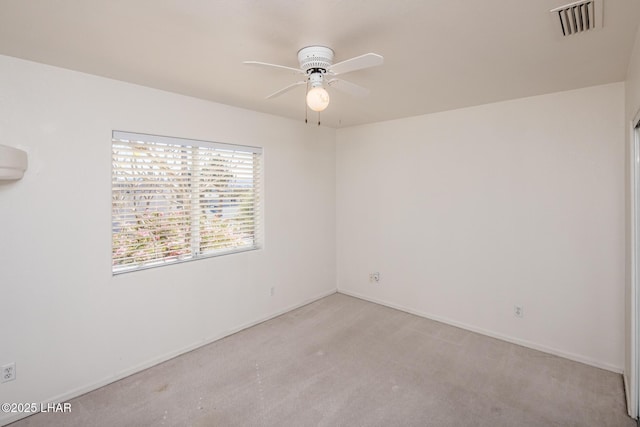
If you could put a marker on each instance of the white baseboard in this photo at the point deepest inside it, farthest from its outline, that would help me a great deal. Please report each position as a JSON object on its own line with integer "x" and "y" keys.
{"x": 492, "y": 334}
{"x": 64, "y": 397}
{"x": 627, "y": 394}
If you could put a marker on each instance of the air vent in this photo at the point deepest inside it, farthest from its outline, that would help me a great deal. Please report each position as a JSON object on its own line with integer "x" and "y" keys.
{"x": 579, "y": 16}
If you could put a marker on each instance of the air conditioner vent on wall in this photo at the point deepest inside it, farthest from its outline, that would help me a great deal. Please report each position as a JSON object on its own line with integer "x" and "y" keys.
{"x": 579, "y": 16}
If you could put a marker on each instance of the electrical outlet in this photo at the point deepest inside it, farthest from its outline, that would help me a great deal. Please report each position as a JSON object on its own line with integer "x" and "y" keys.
{"x": 374, "y": 277}
{"x": 273, "y": 290}
{"x": 8, "y": 372}
{"x": 518, "y": 311}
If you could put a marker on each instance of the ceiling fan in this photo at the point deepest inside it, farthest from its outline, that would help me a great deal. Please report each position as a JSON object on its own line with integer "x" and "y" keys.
{"x": 317, "y": 70}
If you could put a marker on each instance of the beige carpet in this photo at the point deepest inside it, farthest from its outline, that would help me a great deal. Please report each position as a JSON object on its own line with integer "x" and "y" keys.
{"x": 342, "y": 361}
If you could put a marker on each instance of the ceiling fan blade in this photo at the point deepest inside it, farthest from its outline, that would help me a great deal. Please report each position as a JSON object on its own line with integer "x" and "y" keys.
{"x": 348, "y": 87}
{"x": 286, "y": 89}
{"x": 266, "y": 64}
{"x": 358, "y": 63}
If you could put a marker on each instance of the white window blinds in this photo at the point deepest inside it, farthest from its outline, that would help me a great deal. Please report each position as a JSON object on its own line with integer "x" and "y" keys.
{"x": 177, "y": 199}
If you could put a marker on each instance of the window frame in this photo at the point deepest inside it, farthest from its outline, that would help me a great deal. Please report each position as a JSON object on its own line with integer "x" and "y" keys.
{"x": 195, "y": 255}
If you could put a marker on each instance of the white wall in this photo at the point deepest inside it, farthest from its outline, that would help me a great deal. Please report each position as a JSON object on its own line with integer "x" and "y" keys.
{"x": 632, "y": 107}
{"x": 66, "y": 322}
{"x": 632, "y": 85}
{"x": 468, "y": 212}
{"x": 465, "y": 213}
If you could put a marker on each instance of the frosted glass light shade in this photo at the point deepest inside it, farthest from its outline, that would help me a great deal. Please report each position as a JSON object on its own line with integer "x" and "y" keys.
{"x": 318, "y": 99}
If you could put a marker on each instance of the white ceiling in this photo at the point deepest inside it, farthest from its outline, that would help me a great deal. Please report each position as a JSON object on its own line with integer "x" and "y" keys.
{"x": 439, "y": 54}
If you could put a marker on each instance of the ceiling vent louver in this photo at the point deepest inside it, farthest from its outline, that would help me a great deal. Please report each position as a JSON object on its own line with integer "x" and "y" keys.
{"x": 579, "y": 16}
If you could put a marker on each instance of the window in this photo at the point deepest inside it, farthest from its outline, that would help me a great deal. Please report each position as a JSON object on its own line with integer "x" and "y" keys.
{"x": 178, "y": 199}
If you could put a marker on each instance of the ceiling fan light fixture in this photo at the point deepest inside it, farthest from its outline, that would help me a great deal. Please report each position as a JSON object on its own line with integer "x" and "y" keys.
{"x": 319, "y": 71}
{"x": 318, "y": 98}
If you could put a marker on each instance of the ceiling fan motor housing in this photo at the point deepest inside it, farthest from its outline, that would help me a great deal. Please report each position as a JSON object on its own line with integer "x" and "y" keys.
{"x": 315, "y": 57}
